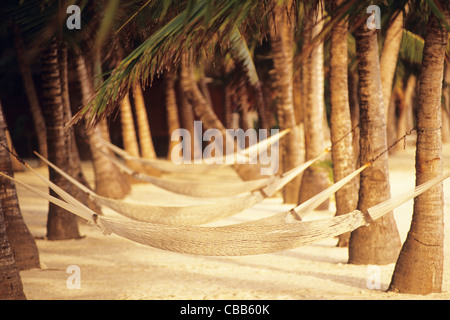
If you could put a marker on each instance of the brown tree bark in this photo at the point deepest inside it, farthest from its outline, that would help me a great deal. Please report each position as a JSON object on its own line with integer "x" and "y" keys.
{"x": 130, "y": 142}
{"x": 378, "y": 243}
{"x": 61, "y": 224}
{"x": 74, "y": 165}
{"x": 144, "y": 132}
{"x": 314, "y": 179}
{"x": 173, "y": 122}
{"x": 405, "y": 110}
{"x": 446, "y": 104}
{"x": 187, "y": 118}
{"x": 388, "y": 65}
{"x": 11, "y": 287}
{"x": 281, "y": 34}
{"x": 23, "y": 245}
{"x": 341, "y": 123}
{"x": 30, "y": 91}
{"x": 109, "y": 181}
{"x": 419, "y": 268}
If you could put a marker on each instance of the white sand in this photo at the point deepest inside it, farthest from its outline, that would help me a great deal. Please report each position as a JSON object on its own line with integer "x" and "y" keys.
{"x": 115, "y": 268}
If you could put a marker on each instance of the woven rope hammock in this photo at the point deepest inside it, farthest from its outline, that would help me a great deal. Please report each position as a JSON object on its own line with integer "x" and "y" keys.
{"x": 273, "y": 234}
{"x": 201, "y": 213}
{"x": 171, "y": 167}
{"x": 196, "y": 188}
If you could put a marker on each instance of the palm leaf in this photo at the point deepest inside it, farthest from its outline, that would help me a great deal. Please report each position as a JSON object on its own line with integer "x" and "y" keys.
{"x": 163, "y": 48}
{"x": 411, "y": 48}
{"x": 241, "y": 53}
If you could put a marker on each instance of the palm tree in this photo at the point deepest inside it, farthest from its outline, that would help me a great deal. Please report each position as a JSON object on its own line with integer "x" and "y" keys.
{"x": 74, "y": 164}
{"x": 129, "y": 137}
{"x": 314, "y": 179}
{"x": 388, "y": 65}
{"x": 145, "y": 137}
{"x": 341, "y": 123}
{"x": 23, "y": 245}
{"x": 109, "y": 181}
{"x": 60, "y": 224}
{"x": 30, "y": 90}
{"x": 389, "y": 54}
{"x": 281, "y": 38}
{"x": 378, "y": 243}
{"x": 173, "y": 122}
{"x": 419, "y": 268}
{"x": 187, "y": 119}
{"x": 404, "y": 122}
{"x": 11, "y": 287}
{"x": 446, "y": 104}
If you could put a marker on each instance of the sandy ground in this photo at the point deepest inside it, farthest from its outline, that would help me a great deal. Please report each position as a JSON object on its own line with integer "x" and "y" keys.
{"x": 115, "y": 268}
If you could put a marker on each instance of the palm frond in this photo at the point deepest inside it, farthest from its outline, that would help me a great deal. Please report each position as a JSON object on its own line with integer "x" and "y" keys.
{"x": 163, "y": 49}
{"x": 241, "y": 53}
{"x": 411, "y": 48}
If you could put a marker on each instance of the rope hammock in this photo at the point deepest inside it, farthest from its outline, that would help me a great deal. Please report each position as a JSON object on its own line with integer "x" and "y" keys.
{"x": 201, "y": 189}
{"x": 171, "y": 167}
{"x": 202, "y": 213}
{"x": 262, "y": 236}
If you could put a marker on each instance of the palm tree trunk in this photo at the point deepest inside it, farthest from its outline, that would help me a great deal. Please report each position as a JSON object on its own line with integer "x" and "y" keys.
{"x": 187, "y": 121}
{"x": 144, "y": 133}
{"x": 130, "y": 142}
{"x": 378, "y": 243}
{"x": 30, "y": 91}
{"x": 243, "y": 103}
{"x": 354, "y": 111}
{"x": 23, "y": 245}
{"x": 109, "y": 181}
{"x": 314, "y": 179}
{"x": 389, "y": 54}
{"x": 446, "y": 105}
{"x": 16, "y": 165}
{"x": 420, "y": 265}
{"x": 341, "y": 124}
{"x": 11, "y": 287}
{"x": 388, "y": 65}
{"x": 282, "y": 49}
{"x": 61, "y": 224}
{"x": 202, "y": 109}
{"x": 173, "y": 122}
{"x": 205, "y": 112}
{"x": 74, "y": 164}
{"x": 406, "y": 109}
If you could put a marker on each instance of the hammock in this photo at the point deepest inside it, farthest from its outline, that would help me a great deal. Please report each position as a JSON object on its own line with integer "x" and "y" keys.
{"x": 195, "y": 188}
{"x": 169, "y": 166}
{"x": 232, "y": 240}
{"x": 200, "y": 213}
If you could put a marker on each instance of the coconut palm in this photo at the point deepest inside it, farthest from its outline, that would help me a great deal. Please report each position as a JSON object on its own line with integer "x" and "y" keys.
{"x": 378, "y": 243}
{"x": 388, "y": 65}
{"x": 341, "y": 123}
{"x": 23, "y": 245}
{"x": 419, "y": 267}
{"x": 315, "y": 179}
{"x": 173, "y": 122}
{"x": 145, "y": 137}
{"x": 130, "y": 142}
{"x": 109, "y": 181}
{"x": 30, "y": 90}
{"x": 281, "y": 36}
{"x": 11, "y": 287}
{"x": 60, "y": 223}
